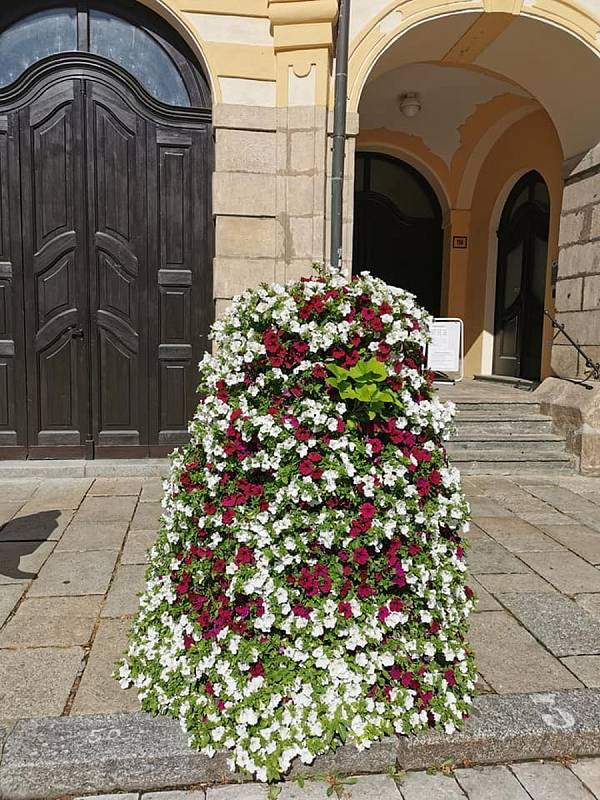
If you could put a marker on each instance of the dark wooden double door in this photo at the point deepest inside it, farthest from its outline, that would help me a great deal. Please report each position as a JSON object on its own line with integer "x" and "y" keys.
{"x": 104, "y": 273}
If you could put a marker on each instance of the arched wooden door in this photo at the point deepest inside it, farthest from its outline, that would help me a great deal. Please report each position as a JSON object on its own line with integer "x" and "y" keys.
{"x": 521, "y": 279}
{"x": 398, "y": 227}
{"x": 105, "y": 244}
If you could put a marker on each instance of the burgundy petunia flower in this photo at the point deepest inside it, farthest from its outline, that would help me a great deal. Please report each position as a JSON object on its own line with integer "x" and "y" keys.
{"x": 244, "y": 556}
{"x": 345, "y": 609}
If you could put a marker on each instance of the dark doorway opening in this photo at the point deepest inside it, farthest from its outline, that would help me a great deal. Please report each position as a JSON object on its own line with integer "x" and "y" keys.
{"x": 105, "y": 232}
{"x": 398, "y": 227}
{"x": 521, "y": 279}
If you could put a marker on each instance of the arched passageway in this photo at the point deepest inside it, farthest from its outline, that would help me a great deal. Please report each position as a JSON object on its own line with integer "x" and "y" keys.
{"x": 493, "y": 104}
{"x": 398, "y": 227}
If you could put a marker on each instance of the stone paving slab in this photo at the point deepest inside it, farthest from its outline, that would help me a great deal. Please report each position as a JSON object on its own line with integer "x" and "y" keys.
{"x": 99, "y": 692}
{"x": 81, "y": 536}
{"x": 585, "y": 668}
{"x": 588, "y": 772}
{"x": 589, "y": 602}
{"x": 18, "y": 490}
{"x": 582, "y": 540}
{"x": 511, "y": 660}
{"x": 114, "y": 487}
{"x": 137, "y": 545}
{"x": 490, "y": 783}
{"x": 147, "y": 516}
{"x": 250, "y": 792}
{"x": 59, "y": 493}
{"x": 117, "y": 796}
{"x": 484, "y": 506}
{"x": 107, "y": 509}
{"x": 152, "y": 490}
{"x": 550, "y": 782}
{"x": 487, "y": 556}
{"x": 530, "y": 582}
{"x": 566, "y": 571}
{"x": 52, "y": 622}
{"x": 557, "y": 622}
{"x": 485, "y": 601}
{"x": 20, "y": 562}
{"x": 517, "y": 535}
{"x": 9, "y": 597}
{"x": 37, "y": 682}
{"x": 374, "y": 787}
{"x": 569, "y": 503}
{"x": 75, "y": 574}
{"x": 200, "y": 794}
{"x": 40, "y": 526}
{"x": 8, "y": 510}
{"x": 122, "y": 599}
{"x": 420, "y": 786}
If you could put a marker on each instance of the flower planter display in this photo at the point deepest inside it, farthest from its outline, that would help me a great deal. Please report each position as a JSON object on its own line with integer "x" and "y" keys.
{"x": 307, "y": 587}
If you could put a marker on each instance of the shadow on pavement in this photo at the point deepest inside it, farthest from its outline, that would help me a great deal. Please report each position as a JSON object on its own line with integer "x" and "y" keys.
{"x": 24, "y": 535}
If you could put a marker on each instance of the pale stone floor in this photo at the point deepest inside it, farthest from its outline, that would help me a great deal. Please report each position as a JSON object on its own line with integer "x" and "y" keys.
{"x": 72, "y": 555}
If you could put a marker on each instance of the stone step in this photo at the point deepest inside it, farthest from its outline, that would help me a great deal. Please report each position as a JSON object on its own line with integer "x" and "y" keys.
{"x": 509, "y": 461}
{"x": 505, "y": 380}
{"x": 503, "y": 427}
{"x": 102, "y": 468}
{"x": 511, "y": 408}
{"x": 522, "y": 443}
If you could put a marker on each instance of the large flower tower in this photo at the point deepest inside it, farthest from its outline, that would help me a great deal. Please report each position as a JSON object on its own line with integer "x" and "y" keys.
{"x": 308, "y": 583}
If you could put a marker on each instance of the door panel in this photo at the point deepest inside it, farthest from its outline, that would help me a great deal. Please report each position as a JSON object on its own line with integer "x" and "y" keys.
{"x": 178, "y": 233}
{"x": 13, "y": 434}
{"x": 521, "y": 279}
{"x": 54, "y": 267}
{"x": 117, "y": 220}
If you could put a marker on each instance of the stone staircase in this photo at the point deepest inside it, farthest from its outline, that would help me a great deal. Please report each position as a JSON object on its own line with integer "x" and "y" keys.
{"x": 500, "y": 430}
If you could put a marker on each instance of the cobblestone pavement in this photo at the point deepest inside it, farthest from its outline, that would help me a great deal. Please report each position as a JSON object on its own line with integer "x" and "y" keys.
{"x": 72, "y": 555}
{"x": 526, "y": 781}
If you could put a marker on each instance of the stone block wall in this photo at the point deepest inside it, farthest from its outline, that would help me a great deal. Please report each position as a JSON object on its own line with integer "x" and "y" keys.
{"x": 268, "y": 195}
{"x": 247, "y": 236}
{"x": 578, "y": 284}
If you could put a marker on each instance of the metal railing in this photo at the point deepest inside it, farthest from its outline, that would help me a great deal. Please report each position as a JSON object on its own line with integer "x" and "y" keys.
{"x": 592, "y": 367}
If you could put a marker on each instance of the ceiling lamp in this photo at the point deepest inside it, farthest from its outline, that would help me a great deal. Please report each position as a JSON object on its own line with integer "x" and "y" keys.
{"x": 410, "y": 104}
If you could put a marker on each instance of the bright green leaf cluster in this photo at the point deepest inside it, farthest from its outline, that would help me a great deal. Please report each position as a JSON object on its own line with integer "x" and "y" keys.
{"x": 365, "y": 384}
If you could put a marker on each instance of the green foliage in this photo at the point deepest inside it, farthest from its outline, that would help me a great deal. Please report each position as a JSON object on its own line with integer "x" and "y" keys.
{"x": 365, "y": 384}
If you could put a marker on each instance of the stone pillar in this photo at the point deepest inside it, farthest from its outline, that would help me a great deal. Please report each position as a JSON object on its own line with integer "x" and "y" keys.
{"x": 269, "y": 183}
{"x": 301, "y": 152}
{"x": 303, "y": 33}
{"x": 578, "y": 285}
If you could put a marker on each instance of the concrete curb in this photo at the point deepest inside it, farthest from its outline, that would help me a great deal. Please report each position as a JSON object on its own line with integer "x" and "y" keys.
{"x": 46, "y": 758}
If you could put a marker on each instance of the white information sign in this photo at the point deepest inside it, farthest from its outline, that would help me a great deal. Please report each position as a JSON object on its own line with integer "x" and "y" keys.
{"x": 445, "y": 351}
